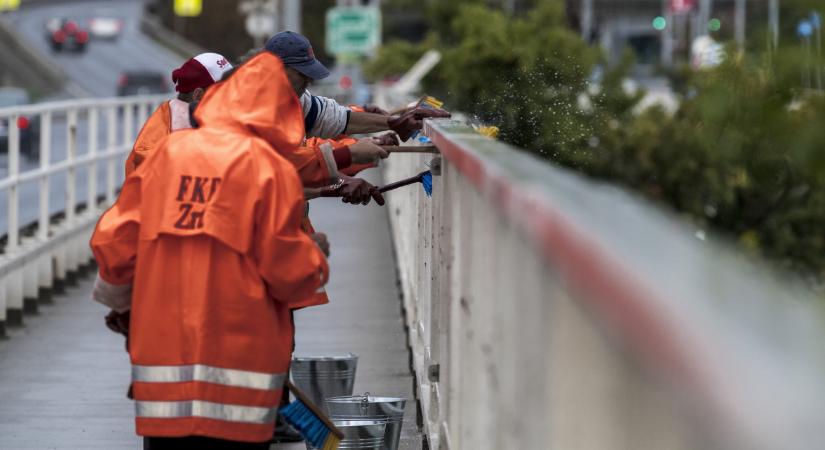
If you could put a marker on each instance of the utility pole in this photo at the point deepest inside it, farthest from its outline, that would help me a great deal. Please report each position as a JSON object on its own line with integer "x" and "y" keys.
{"x": 509, "y": 6}
{"x": 816, "y": 19}
{"x": 773, "y": 22}
{"x": 587, "y": 20}
{"x": 261, "y": 19}
{"x": 702, "y": 18}
{"x": 740, "y": 16}
{"x": 291, "y": 14}
{"x": 668, "y": 34}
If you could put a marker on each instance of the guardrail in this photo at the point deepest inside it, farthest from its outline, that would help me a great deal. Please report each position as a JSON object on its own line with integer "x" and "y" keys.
{"x": 546, "y": 310}
{"x": 65, "y": 183}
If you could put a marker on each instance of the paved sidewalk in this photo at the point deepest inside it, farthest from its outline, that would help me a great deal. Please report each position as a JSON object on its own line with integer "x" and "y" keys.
{"x": 63, "y": 375}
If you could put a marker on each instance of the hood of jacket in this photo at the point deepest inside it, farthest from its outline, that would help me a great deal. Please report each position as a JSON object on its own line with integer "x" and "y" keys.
{"x": 257, "y": 99}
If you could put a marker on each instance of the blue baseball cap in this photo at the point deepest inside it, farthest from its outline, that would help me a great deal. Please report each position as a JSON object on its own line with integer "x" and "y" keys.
{"x": 296, "y": 52}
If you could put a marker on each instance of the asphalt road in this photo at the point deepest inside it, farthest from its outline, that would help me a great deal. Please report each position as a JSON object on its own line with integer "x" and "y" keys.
{"x": 28, "y": 193}
{"x": 93, "y": 73}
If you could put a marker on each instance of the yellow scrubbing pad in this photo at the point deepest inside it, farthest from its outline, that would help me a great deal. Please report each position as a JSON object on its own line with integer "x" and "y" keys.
{"x": 491, "y": 131}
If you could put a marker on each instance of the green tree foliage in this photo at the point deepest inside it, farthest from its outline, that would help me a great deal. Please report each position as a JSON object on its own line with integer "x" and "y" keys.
{"x": 742, "y": 156}
{"x": 744, "y": 153}
{"x": 394, "y": 58}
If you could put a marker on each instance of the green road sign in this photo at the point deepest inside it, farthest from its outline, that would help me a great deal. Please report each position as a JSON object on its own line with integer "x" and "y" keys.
{"x": 353, "y": 30}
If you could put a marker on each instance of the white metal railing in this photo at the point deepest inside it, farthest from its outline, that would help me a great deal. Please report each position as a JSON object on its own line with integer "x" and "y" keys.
{"x": 46, "y": 232}
{"x": 546, "y": 310}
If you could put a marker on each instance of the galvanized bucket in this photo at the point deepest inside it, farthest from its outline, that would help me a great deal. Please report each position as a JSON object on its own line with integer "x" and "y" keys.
{"x": 320, "y": 377}
{"x": 360, "y": 434}
{"x": 368, "y": 407}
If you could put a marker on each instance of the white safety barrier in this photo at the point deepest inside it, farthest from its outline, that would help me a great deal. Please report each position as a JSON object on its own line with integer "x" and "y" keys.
{"x": 67, "y": 153}
{"x": 549, "y": 311}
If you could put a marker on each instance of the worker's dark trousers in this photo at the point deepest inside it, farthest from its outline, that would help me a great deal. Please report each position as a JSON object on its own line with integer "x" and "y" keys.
{"x": 199, "y": 443}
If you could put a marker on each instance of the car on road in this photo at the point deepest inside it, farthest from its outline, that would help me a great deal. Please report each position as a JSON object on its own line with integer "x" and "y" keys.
{"x": 141, "y": 82}
{"x": 66, "y": 34}
{"x": 29, "y": 126}
{"x": 105, "y": 26}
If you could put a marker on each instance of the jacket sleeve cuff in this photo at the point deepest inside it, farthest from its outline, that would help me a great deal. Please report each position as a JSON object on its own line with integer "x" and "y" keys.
{"x": 329, "y": 161}
{"x": 343, "y": 157}
{"x": 116, "y": 296}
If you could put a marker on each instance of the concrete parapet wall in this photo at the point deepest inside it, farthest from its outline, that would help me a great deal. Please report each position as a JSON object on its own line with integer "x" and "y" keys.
{"x": 547, "y": 310}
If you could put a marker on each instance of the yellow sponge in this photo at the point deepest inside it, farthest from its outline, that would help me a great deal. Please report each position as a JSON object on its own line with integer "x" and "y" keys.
{"x": 490, "y": 131}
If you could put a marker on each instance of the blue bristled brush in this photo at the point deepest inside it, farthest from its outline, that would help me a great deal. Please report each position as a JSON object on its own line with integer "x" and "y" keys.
{"x": 313, "y": 425}
{"x": 425, "y": 178}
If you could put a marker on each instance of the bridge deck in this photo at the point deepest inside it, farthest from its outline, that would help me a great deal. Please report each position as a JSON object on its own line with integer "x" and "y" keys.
{"x": 63, "y": 376}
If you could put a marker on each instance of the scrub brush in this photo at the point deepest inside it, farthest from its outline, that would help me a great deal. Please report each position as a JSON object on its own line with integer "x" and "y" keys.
{"x": 314, "y": 426}
{"x": 425, "y": 178}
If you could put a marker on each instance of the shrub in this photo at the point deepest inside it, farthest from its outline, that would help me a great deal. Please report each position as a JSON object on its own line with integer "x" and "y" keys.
{"x": 744, "y": 153}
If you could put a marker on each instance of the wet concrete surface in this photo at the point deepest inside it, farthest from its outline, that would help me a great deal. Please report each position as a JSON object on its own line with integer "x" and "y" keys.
{"x": 63, "y": 375}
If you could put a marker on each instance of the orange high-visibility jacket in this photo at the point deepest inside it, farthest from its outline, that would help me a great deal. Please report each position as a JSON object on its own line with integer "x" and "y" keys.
{"x": 315, "y": 163}
{"x": 320, "y": 297}
{"x": 207, "y": 231}
{"x": 339, "y": 141}
{"x": 170, "y": 116}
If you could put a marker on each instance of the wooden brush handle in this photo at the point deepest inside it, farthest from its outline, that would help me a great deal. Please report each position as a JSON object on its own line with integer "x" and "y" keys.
{"x": 410, "y": 148}
{"x": 306, "y": 401}
{"x": 402, "y": 183}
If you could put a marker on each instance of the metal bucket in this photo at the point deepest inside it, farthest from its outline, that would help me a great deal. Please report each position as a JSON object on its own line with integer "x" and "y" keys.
{"x": 320, "y": 377}
{"x": 368, "y": 407}
{"x": 360, "y": 434}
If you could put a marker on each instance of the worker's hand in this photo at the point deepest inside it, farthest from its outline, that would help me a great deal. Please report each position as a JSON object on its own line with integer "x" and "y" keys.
{"x": 118, "y": 322}
{"x": 366, "y": 152}
{"x": 375, "y": 110}
{"x": 386, "y": 139}
{"x": 413, "y": 120}
{"x": 357, "y": 190}
{"x": 322, "y": 241}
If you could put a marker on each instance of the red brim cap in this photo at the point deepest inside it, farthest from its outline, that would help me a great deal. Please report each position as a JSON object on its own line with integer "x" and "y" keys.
{"x": 190, "y": 76}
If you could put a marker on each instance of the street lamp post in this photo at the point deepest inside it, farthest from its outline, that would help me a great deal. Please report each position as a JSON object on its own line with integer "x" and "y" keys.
{"x": 291, "y": 15}
{"x": 740, "y": 24}
{"x": 667, "y": 34}
{"x": 805, "y": 30}
{"x": 773, "y": 22}
{"x": 816, "y": 21}
{"x": 702, "y": 18}
{"x": 587, "y": 19}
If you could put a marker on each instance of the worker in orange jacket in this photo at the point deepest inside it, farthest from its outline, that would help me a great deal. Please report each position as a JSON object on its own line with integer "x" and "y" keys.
{"x": 191, "y": 80}
{"x": 317, "y": 164}
{"x": 204, "y": 245}
{"x": 321, "y": 298}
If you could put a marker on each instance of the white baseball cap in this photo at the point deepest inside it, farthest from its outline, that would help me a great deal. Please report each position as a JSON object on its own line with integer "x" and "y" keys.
{"x": 200, "y": 72}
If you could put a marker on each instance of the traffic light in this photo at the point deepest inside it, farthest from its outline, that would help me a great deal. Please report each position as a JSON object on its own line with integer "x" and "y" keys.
{"x": 187, "y": 8}
{"x": 9, "y": 5}
{"x": 660, "y": 23}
